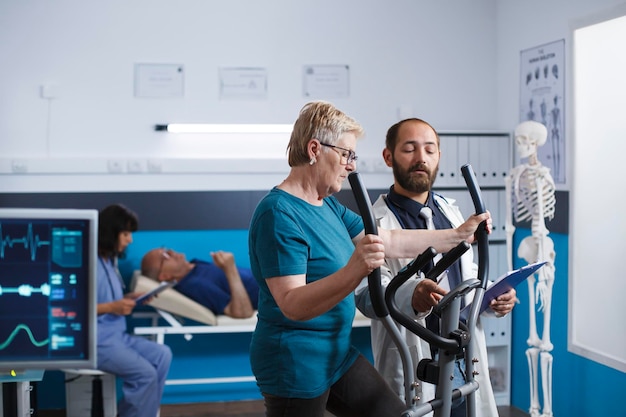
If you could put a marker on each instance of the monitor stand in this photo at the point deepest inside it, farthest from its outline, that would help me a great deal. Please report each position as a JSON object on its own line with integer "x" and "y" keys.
{"x": 16, "y": 398}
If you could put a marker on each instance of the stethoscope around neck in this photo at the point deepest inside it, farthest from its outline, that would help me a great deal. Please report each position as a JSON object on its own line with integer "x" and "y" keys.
{"x": 107, "y": 271}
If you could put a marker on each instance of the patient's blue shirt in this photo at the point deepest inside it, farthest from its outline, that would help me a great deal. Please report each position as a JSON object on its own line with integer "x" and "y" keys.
{"x": 207, "y": 285}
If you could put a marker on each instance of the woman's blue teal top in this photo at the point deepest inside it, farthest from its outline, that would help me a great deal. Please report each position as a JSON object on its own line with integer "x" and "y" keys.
{"x": 288, "y": 236}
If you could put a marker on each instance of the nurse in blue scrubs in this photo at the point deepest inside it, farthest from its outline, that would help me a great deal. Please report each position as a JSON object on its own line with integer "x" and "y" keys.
{"x": 141, "y": 364}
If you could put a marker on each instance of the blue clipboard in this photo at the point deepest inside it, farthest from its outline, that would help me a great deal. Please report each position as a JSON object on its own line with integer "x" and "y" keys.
{"x": 507, "y": 281}
{"x": 164, "y": 285}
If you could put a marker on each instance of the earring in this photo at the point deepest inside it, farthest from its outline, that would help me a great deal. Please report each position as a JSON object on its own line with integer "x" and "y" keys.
{"x": 312, "y": 161}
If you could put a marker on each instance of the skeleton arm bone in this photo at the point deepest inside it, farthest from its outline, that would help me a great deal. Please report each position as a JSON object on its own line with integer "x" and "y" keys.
{"x": 508, "y": 227}
{"x": 546, "y": 273}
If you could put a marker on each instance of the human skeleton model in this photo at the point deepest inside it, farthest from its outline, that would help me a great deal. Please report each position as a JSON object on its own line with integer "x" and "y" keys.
{"x": 531, "y": 197}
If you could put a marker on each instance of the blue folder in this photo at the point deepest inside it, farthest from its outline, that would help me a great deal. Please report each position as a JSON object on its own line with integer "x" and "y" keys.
{"x": 505, "y": 282}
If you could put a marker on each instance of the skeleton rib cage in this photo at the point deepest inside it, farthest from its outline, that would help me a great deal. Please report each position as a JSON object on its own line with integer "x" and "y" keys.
{"x": 534, "y": 197}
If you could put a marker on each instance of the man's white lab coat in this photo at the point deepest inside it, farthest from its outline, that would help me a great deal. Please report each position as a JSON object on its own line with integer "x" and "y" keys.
{"x": 386, "y": 355}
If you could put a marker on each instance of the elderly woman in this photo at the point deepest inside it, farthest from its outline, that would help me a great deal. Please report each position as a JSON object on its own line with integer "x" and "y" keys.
{"x": 308, "y": 253}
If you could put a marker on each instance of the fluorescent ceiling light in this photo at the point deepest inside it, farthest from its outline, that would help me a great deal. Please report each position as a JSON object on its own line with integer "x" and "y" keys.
{"x": 224, "y": 128}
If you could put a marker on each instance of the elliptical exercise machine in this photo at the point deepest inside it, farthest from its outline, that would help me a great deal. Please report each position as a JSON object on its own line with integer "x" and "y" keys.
{"x": 454, "y": 337}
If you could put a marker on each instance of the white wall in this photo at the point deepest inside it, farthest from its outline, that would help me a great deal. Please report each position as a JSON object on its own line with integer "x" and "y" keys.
{"x": 527, "y": 24}
{"x": 436, "y": 60}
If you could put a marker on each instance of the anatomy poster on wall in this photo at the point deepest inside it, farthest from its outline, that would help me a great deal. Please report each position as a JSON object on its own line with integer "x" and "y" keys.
{"x": 542, "y": 99}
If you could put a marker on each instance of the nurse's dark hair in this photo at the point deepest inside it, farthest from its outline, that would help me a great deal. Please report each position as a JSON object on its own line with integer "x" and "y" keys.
{"x": 112, "y": 220}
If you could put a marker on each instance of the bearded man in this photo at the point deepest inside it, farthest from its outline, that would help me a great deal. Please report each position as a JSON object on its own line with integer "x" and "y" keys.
{"x": 412, "y": 150}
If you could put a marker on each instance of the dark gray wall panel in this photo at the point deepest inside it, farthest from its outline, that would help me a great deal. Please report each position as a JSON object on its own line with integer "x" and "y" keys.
{"x": 156, "y": 210}
{"x": 199, "y": 210}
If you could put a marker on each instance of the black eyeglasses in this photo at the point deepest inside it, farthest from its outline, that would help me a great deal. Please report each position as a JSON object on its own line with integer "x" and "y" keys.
{"x": 347, "y": 154}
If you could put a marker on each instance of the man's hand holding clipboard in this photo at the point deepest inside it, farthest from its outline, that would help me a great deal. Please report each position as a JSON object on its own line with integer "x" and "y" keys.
{"x": 506, "y": 282}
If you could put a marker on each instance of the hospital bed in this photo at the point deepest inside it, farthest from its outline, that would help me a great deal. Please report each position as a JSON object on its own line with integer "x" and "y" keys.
{"x": 173, "y": 308}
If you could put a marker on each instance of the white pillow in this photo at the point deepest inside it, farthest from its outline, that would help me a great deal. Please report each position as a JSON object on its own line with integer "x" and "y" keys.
{"x": 172, "y": 301}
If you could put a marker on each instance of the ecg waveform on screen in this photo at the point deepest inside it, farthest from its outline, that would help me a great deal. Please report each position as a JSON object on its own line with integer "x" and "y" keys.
{"x": 31, "y": 242}
{"x": 26, "y": 290}
{"x": 13, "y": 335}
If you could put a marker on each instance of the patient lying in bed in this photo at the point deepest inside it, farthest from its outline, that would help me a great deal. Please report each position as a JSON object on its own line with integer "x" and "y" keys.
{"x": 220, "y": 286}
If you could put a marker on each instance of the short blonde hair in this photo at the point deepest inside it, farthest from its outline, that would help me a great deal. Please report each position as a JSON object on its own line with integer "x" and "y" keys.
{"x": 322, "y": 121}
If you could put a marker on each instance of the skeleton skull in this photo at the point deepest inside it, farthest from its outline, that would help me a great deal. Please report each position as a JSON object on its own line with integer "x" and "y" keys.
{"x": 528, "y": 136}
